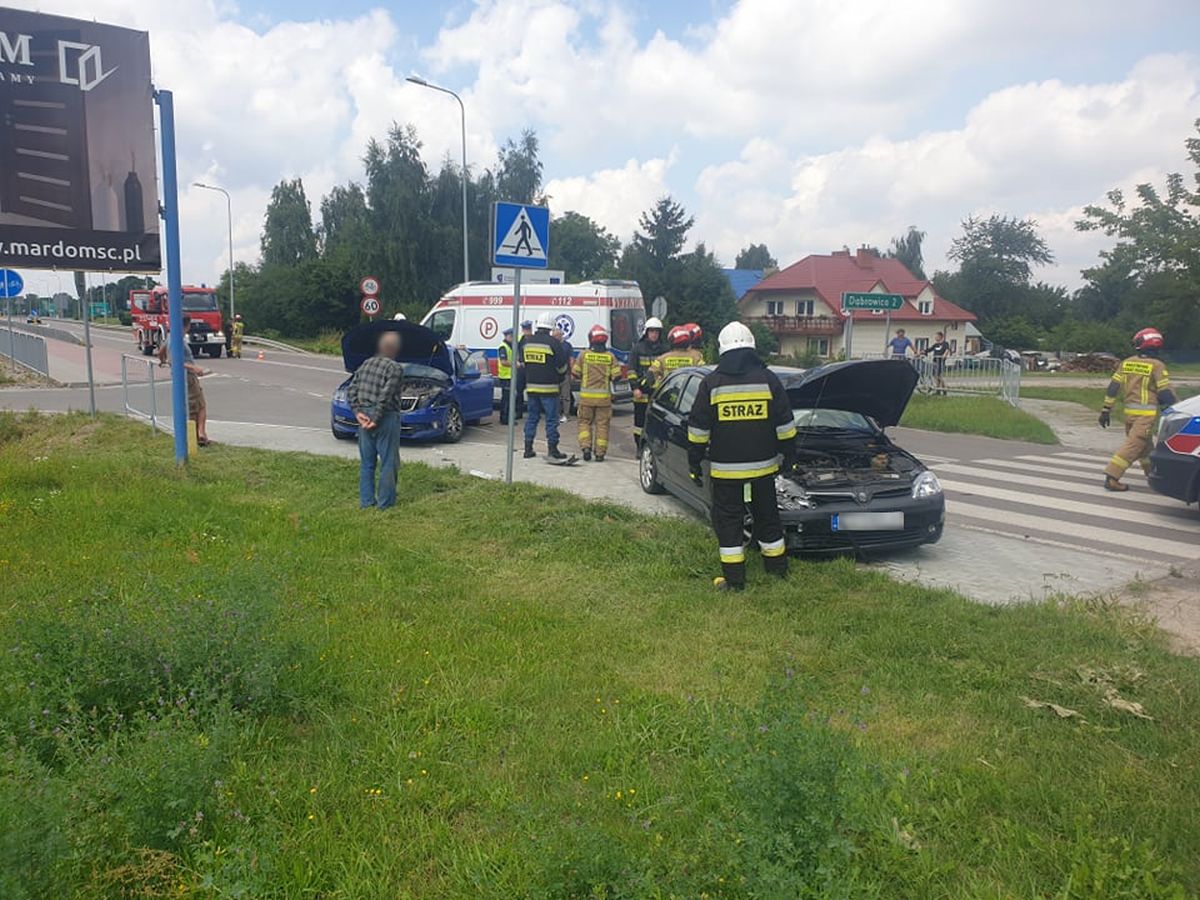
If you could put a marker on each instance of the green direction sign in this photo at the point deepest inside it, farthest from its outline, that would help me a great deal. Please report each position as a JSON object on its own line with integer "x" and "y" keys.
{"x": 872, "y": 301}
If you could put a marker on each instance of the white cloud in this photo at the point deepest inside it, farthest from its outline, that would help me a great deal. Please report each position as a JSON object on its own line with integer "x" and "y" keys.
{"x": 613, "y": 197}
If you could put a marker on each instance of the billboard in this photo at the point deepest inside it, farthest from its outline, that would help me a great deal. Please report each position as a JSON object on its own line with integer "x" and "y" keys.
{"x": 78, "y": 188}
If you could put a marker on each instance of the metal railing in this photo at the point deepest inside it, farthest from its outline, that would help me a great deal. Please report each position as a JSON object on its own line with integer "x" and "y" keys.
{"x": 27, "y": 350}
{"x": 969, "y": 375}
{"x": 151, "y": 414}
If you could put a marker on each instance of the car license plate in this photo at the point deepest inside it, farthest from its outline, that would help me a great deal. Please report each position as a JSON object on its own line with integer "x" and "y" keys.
{"x": 867, "y": 521}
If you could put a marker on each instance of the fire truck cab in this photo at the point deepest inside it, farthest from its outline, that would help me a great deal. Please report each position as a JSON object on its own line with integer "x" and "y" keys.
{"x": 151, "y": 320}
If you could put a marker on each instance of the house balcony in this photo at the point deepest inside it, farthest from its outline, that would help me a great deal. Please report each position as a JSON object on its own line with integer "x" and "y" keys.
{"x": 780, "y": 326}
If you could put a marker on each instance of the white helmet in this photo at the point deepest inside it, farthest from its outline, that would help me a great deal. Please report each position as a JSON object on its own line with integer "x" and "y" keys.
{"x": 652, "y": 323}
{"x": 545, "y": 322}
{"x": 400, "y": 317}
{"x": 735, "y": 336}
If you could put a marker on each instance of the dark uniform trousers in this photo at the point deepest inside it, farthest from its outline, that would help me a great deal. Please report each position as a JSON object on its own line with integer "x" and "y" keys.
{"x": 729, "y": 523}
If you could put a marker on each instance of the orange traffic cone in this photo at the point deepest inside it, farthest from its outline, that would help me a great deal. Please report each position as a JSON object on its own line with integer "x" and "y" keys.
{"x": 260, "y": 355}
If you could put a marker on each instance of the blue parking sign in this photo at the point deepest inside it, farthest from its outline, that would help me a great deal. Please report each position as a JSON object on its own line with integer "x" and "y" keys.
{"x": 522, "y": 235}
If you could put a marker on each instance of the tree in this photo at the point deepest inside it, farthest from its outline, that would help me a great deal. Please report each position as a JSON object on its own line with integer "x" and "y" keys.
{"x": 756, "y": 256}
{"x": 664, "y": 229}
{"x": 996, "y": 258}
{"x": 345, "y": 219}
{"x": 288, "y": 237}
{"x": 582, "y": 248}
{"x": 519, "y": 170}
{"x": 907, "y": 249}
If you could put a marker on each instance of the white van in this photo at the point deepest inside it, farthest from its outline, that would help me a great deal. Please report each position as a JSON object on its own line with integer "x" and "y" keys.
{"x": 475, "y": 315}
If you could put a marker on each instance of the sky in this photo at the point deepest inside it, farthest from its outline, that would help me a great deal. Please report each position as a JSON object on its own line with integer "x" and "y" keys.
{"x": 805, "y": 124}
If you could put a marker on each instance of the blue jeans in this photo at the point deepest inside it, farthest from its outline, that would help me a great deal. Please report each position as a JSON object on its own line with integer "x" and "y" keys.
{"x": 539, "y": 405}
{"x": 382, "y": 441}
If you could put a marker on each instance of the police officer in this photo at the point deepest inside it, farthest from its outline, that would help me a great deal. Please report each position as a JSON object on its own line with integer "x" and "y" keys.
{"x": 545, "y": 364}
{"x": 1143, "y": 384}
{"x": 504, "y": 372}
{"x": 641, "y": 356}
{"x": 595, "y": 367}
{"x": 742, "y": 419}
{"x": 680, "y": 355}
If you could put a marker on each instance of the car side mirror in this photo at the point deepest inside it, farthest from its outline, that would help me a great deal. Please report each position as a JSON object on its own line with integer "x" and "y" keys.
{"x": 471, "y": 374}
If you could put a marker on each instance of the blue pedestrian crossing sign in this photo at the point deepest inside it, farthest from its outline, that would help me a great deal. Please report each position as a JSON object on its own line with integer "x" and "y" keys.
{"x": 522, "y": 235}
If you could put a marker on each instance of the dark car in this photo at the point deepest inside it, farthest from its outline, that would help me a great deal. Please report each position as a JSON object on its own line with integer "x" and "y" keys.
{"x": 1175, "y": 460}
{"x": 852, "y": 490}
{"x": 445, "y": 388}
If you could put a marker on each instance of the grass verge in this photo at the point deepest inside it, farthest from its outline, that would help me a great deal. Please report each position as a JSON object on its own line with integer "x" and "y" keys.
{"x": 327, "y": 342}
{"x": 986, "y": 416}
{"x": 230, "y": 681}
{"x": 1092, "y": 398}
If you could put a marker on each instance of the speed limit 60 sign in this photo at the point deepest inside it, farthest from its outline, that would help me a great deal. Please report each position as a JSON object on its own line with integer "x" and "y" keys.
{"x": 370, "y": 306}
{"x": 369, "y": 286}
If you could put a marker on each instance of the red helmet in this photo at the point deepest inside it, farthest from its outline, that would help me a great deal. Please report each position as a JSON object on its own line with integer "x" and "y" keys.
{"x": 679, "y": 336}
{"x": 597, "y": 335}
{"x": 695, "y": 332}
{"x": 1148, "y": 339}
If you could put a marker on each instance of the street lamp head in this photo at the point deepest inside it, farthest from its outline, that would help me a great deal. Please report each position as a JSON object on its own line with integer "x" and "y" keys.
{"x": 417, "y": 79}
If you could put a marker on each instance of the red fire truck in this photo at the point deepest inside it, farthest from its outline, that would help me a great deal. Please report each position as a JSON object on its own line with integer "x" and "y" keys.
{"x": 151, "y": 322}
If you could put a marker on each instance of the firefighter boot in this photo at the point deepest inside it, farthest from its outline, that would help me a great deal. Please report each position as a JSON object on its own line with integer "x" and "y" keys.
{"x": 553, "y": 452}
{"x": 599, "y": 457}
{"x": 587, "y": 455}
{"x": 776, "y": 565}
{"x": 529, "y": 454}
{"x": 1112, "y": 484}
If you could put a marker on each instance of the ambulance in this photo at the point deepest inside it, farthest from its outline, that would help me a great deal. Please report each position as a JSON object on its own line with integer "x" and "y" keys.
{"x": 474, "y": 316}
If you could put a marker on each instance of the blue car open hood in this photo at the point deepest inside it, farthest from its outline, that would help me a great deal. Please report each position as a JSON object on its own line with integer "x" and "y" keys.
{"x": 878, "y": 388}
{"x": 417, "y": 345}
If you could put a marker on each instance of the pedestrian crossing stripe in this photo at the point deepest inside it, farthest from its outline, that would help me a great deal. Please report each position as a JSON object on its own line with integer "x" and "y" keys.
{"x": 1092, "y": 488}
{"x": 1087, "y": 457}
{"x": 1106, "y": 536}
{"x": 1064, "y": 463}
{"x": 1049, "y": 469}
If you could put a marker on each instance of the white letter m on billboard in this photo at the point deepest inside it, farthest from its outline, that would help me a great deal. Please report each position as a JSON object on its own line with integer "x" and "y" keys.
{"x": 18, "y": 53}
{"x": 90, "y": 69}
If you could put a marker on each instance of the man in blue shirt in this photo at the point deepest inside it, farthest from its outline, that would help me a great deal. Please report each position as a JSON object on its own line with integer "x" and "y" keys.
{"x": 899, "y": 345}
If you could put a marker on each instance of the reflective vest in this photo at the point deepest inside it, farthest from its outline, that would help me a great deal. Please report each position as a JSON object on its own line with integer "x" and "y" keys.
{"x": 1139, "y": 381}
{"x": 504, "y": 362}
{"x": 672, "y": 360}
{"x": 239, "y": 328}
{"x": 596, "y": 370}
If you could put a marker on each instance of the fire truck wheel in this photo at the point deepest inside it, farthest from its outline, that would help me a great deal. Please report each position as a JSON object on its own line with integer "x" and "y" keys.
{"x": 214, "y": 352}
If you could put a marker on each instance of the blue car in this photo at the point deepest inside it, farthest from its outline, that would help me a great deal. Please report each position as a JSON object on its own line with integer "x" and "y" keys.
{"x": 445, "y": 388}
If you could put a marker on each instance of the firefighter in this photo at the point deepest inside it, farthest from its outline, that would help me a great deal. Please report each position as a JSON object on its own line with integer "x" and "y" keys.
{"x": 504, "y": 372}
{"x": 697, "y": 334}
{"x": 640, "y": 358}
{"x": 679, "y": 356}
{"x": 1142, "y": 383}
{"x": 742, "y": 419}
{"x": 595, "y": 368}
{"x": 545, "y": 364}
{"x": 239, "y": 331}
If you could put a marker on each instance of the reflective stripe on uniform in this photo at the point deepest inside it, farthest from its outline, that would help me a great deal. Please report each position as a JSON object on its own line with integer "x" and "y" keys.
{"x": 1121, "y": 461}
{"x": 541, "y": 389}
{"x": 732, "y": 554}
{"x": 698, "y": 435}
{"x": 785, "y": 432}
{"x": 595, "y": 395}
{"x": 1139, "y": 411}
{"x": 744, "y": 470}
{"x": 739, "y": 392}
{"x": 773, "y": 548}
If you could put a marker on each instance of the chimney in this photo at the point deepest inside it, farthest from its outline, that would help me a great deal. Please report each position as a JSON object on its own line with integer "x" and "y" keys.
{"x": 844, "y": 252}
{"x": 864, "y": 257}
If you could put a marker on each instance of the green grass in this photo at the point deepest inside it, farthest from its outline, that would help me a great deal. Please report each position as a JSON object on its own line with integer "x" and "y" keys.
{"x": 986, "y": 416}
{"x": 1092, "y": 398}
{"x": 229, "y": 681}
{"x": 328, "y": 342}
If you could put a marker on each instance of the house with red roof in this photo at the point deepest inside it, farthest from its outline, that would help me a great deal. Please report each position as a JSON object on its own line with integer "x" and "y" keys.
{"x": 801, "y": 305}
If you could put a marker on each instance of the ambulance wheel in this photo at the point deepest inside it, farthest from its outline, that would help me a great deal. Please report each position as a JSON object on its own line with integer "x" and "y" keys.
{"x": 455, "y": 426}
{"x": 648, "y": 472}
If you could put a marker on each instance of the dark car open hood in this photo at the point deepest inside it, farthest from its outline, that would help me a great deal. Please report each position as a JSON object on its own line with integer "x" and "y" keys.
{"x": 878, "y": 388}
{"x": 417, "y": 345}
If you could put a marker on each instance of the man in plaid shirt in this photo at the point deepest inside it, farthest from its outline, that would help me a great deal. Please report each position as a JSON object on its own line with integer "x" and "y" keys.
{"x": 374, "y": 395}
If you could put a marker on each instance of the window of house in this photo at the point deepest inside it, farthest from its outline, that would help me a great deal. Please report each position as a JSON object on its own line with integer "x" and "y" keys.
{"x": 953, "y": 326}
{"x": 819, "y": 346}
{"x": 805, "y": 307}
{"x": 878, "y": 312}
{"x": 774, "y": 307}
{"x": 922, "y": 344}
{"x": 954, "y": 346}
{"x": 925, "y": 307}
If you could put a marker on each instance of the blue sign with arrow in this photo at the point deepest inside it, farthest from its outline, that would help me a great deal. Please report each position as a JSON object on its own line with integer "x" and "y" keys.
{"x": 522, "y": 236}
{"x": 11, "y": 283}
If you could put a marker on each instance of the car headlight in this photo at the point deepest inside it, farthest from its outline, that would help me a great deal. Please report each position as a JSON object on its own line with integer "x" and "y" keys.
{"x": 341, "y": 395}
{"x": 926, "y": 485}
{"x": 790, "y": 495}
{"x": 1170, "y": 422}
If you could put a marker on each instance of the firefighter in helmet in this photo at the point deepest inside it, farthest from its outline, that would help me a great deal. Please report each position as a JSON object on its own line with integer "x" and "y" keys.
{"x": 239, "y": 331}
{"x": 697, "y": 335}
{"x": 742, "y": 420}
{"x": 678, "y": 356}
{"x": 1142, "y": 383}
{"x": 643, "y": 354}
{"x": 595, "y": 367}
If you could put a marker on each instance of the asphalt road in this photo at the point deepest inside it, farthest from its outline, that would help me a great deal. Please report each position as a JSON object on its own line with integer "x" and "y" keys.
{"x": 1023, "y": 520}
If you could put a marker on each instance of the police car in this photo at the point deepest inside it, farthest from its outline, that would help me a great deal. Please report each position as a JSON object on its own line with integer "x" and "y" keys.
{"x": 1175, "y": 461}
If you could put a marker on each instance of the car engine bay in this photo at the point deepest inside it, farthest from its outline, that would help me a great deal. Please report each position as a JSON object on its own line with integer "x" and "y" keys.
{"x": 419, "y": 392}
{"x": 869, "y": 463}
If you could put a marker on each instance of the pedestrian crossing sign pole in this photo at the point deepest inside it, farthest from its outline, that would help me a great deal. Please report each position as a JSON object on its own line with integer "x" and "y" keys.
{"x": 520, "y": 240}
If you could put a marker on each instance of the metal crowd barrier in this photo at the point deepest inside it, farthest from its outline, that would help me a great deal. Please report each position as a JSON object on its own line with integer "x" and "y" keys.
{"x": 151, "y": 415}
{"x": 27, "y": 350}
{"x": 987, "y": 376}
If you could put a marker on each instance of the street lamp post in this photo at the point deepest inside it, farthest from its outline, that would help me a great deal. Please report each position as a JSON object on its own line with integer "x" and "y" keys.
{"x": 229, "y": 214}
{"x": 463, "y": 111}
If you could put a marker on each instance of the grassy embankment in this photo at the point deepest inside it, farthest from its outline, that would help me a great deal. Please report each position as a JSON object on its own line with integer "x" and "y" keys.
{"x": 1092, "y": 398}
{"x": 986, "y": 416}
{"x": 230, "y": 681}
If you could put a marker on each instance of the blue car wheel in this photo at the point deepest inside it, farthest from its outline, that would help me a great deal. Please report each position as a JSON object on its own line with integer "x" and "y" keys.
{"x": 455, "y": 426}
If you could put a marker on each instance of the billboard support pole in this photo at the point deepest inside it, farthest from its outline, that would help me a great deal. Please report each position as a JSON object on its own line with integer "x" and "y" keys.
{"x": 87, "y": 344}
{"x": 170, "y": 216}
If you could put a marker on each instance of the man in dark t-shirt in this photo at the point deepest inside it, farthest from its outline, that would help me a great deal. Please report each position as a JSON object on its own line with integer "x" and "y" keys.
{"x": 939, "y": 350}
